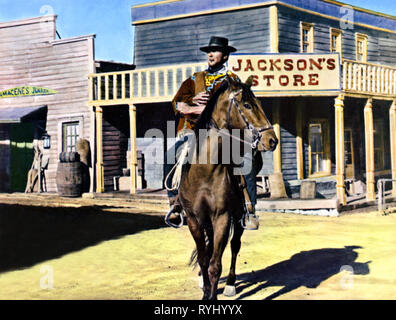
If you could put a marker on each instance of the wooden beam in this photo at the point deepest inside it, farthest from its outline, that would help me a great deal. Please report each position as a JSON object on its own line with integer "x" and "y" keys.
{"x": 277, "y": 154}
{"x": 133, "y": 163}
{"x": 340, "y": 149}
{"x": 99, "y": 150}
{"x": 299, "y": 140}
{"x": 392, "y": 125}
{"x": 369, "y": 141}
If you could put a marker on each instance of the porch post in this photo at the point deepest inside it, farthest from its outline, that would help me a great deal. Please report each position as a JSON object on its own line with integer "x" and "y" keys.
{"x": 340, "y": 149}
{"x": 299, "y": 140}
{"x": 133, "y": 158}
{"x": 277, "y": 154}
{"x": 392, "y": 125}
{"x": 369, "y": 139}
{"x": 274, "y": 29}
{"x": 99, "y": 150}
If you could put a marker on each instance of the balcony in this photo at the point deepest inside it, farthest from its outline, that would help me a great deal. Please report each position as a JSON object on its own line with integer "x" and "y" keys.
{"x": 369, "y": 79}
{"x": 159, "y": 84}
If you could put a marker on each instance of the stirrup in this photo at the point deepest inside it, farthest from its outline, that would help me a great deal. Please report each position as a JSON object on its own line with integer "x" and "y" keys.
{"x": 247, "y": 213}
{"x": 243, "y": 222}
{"x": 170, "y": 224}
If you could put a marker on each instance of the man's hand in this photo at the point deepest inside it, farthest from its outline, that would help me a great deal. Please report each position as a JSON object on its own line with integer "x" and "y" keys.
{"x": 201, "y": 99}
{"x": 185, "y": 109}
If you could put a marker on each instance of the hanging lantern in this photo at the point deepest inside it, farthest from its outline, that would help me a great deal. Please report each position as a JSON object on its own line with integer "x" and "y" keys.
{"x": 46, "y": 140}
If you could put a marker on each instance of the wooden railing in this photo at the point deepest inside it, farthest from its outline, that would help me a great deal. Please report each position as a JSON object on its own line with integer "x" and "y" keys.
{"x": 369, "y": 79}
{"x": 159, "y": 84}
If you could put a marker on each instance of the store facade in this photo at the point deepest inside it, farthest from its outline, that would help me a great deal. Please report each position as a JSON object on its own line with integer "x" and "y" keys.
{"x": 325, "y": 73}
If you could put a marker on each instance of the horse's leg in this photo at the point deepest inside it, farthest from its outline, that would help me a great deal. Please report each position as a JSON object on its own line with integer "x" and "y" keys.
{"x": 229, "y": 289}
{"x": 202, "y": 255}
{"x": 209, "y": 250}
{"x": 220, "y": 231}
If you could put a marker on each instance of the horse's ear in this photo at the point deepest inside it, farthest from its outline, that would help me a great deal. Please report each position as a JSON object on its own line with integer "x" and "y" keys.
{"x": 249, "y": 81}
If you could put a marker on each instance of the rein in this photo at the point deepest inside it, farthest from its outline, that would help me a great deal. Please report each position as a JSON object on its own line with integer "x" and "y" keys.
{"x": 256, "y": 133}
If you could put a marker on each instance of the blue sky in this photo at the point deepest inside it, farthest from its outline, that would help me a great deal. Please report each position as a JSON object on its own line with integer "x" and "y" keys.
{"x": 111, "y": 20}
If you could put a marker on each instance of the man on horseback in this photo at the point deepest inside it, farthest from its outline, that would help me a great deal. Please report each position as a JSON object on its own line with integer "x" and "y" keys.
{"x": 188, "y": 103}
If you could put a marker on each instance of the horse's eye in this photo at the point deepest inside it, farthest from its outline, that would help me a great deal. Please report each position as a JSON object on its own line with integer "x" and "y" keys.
{"x": 247, "y": 106}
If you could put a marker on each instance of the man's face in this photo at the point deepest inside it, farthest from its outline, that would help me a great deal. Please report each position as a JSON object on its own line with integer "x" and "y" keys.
{"x": 216, "y": 58}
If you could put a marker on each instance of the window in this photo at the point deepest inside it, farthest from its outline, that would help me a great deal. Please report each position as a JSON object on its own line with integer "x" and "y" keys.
{"x": 318, "y": 147}
{"x": 70, "y": 134}
{"x": 361, "y": 47}
{"x": 307, "y": 37}
{"x": 379, "y": 159}
{"x": 335, "y": 40}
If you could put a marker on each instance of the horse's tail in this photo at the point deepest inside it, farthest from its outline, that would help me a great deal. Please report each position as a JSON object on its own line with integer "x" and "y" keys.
{"x": 193, "y": 259}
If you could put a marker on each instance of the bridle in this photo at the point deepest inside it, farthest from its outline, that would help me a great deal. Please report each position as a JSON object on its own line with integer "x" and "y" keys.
{"x": 256, "y": 133}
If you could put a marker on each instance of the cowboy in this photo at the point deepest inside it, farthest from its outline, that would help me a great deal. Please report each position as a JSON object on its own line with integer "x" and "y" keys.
{"x": 188, "y": 104}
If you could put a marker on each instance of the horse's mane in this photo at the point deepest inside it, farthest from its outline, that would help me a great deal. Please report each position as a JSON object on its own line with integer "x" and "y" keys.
{"x": 206, "y": 115}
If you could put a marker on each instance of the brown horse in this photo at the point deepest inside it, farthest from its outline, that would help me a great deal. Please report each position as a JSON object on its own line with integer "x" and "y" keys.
{"x": 210, "y": 193}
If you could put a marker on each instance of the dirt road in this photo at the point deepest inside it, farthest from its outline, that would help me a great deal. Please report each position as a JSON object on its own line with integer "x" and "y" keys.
{"x": 127, "y": 253}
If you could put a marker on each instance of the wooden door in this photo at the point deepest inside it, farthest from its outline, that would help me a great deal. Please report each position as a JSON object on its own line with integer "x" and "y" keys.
{"x": 21, "y": 144}
{"x": 349, "y": 154}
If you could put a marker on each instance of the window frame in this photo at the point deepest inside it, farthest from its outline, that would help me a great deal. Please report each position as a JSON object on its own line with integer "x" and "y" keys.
{"x": 339, "y": 43}
{"x": 360, "y": 37}
{"x": 64, "y": 119}
{"x": 310, "y": 28}
{"x": 65, "y": 135}
{"x": 325, "y": 136}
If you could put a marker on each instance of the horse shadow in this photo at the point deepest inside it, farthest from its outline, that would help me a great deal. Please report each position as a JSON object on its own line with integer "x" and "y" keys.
{"x": 307, "y": 268}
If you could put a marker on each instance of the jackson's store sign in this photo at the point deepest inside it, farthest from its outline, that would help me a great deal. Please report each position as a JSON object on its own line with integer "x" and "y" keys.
{"x": 288, "y": 73}
{"x": 26, "y": 91}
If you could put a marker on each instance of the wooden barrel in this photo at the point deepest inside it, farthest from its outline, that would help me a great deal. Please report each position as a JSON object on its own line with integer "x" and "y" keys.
{"x": 69, "y": 179}
{"x": 69, "y": 157}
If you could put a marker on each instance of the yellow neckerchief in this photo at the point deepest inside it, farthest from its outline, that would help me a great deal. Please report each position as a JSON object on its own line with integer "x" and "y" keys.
{"x": 209, "y": 79}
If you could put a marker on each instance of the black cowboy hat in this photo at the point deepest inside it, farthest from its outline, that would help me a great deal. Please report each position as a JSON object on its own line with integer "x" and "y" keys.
{"x": 219, "y": 44}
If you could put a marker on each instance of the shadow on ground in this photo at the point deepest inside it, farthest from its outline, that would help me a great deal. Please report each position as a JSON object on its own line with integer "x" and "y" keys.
{"x": 307, "y": 268}
{"x": 30, "y": 234}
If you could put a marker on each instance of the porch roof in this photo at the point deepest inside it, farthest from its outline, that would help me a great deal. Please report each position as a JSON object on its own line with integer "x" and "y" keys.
{"x": 18, "y": 115}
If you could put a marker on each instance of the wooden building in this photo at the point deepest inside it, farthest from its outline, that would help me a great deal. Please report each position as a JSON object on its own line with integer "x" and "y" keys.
{"x": 341, "y": 134}
{"x": 43, "y": 93}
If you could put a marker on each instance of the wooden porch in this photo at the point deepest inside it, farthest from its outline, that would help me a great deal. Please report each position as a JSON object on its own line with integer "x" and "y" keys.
{"x": 159, "y": 84}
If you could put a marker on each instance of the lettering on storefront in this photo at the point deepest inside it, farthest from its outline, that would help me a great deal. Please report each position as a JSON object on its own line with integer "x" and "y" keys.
{"x": 26, "y": 91}
{"x": 289, "y": 72}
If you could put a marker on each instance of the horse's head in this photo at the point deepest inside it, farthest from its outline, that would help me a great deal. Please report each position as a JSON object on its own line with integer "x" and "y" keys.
{"x": 238, "y": 108}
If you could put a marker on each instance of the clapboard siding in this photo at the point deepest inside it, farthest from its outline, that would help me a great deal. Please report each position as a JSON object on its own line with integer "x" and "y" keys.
{"x": 178, "y": 41}
{"x": 31, "y": 56}
{"x": 288, "y": 147}
{"x": 379, "y": 42}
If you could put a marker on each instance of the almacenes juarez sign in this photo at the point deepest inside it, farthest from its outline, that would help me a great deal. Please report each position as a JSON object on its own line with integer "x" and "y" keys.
{"x": 26, "y": 91}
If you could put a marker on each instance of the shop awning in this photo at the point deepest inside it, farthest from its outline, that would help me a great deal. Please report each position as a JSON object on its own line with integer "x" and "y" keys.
{"x": 18, "y": 115}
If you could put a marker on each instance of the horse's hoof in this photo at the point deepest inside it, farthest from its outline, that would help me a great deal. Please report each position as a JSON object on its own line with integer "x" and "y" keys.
{"x": 229, "y": 291}
{"x": 200, "y": 282}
